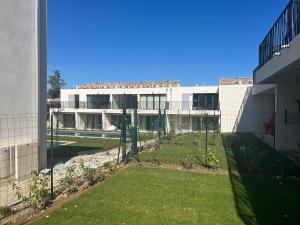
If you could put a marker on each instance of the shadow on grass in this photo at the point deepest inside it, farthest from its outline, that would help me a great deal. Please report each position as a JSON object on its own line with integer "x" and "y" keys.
{"x": 65, "y": 153}
{"x": 261, "y": 196}
{"x": 80, "y": 146}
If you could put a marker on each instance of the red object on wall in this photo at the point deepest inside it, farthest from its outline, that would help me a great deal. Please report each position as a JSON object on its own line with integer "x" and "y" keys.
{"x": 270, "y": 126}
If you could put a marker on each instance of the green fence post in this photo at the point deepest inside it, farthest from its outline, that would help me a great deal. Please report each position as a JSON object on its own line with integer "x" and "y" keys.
{"x": 51, "y": 160}
{"x": 206, "y": 138}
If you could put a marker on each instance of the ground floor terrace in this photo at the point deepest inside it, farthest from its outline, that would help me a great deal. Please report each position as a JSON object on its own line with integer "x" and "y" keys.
{"x": 282, "y": 95}
{"x": 146, "y": 121}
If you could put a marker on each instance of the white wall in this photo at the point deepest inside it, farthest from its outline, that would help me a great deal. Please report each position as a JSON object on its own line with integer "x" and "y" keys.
{"x": 241, "y": 111}
{"x": 231, "y": 98}
{"x": 287, "y": 135}
{"x": 23, "y": 79}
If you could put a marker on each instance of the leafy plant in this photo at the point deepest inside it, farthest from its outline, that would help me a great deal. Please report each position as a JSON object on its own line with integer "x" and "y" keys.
{"x": 5, "y": 211}
{"x": 38, "y": 196}
{"x": 156, "y": 149}
{"x": 68, "y": 182}
{"x": 211, "y": 159}
{"x": 179, "y": 140}
{"x": 172, "y": 134}
{"x": 147, "y": 136}
{"x": 188, "y": 162}
{"x": 91, "y": 175}
{"x": 110, "y": 168}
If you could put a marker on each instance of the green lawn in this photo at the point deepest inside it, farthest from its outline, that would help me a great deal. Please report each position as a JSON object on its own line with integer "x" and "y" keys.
{"x": 157, "y": 196}
{"x": 242, "y": 152}
{"x": 142, "y": 196}
{"x": 81, "y": 145}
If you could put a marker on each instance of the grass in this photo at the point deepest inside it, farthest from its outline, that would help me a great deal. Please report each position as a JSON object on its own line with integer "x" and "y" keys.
{"x": 175, "y": 150}
{"x": 241, "y": 152}
{"x": 142, "y": 196}
{"x": 82, "y": 145}
{"x": 157, "y": 196}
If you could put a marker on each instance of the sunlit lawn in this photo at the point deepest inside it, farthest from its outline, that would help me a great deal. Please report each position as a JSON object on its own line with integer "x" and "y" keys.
{"x": 143, "y": 196}
{"x": 238, "y": 152}
{"x": 157, "y": 196}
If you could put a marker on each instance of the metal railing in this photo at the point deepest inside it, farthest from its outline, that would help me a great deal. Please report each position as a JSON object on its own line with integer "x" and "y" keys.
{"x": 172, "y": 105}
{"x": 285, "y": 29}
{"x": 85, "y": 105}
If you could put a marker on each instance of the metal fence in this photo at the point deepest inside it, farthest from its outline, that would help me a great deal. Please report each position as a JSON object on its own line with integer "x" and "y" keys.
{"x": 259, "y": 142}
{"x": 285, "y": 29}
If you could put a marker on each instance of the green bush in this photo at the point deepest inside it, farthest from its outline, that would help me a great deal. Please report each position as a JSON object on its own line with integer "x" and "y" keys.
{"x": 38, "y": 197}
{"x": 179, "y": 140}
{"x": 68, "y": 182}
{"x": 91, "y": 175}
{"x": 211, "y": 159}
{"x": 110, "y": 168}
{"x": 147, "y": 136}
{"x": 5, "y": 211}
{"x": 188, "y": 162}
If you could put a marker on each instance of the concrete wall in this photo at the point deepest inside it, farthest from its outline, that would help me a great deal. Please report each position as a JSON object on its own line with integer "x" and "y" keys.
{"x": 23, "y": 80}
{"x": 287, "y": 135}
{"x": 231, "y": 98}
{"x": 241, "y": 111}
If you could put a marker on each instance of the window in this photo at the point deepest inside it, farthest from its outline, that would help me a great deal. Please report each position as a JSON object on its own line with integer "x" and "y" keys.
{"x": 206, "y": 101}
{"x": 69, "y": 120}
{"x": 185, "y": 123}
{"x": 153, "y": 102}
{"x": 94, "y": 121}
{"x": 97, "y": 101}
{"x": 116, "y": 120}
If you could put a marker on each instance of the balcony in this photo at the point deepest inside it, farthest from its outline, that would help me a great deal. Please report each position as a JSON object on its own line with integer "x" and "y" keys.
{"x": 85, "y": 105}
{"x": 285, "y": 29}
{"x": 174, "y": 106}
{"x": 277, "y": 42}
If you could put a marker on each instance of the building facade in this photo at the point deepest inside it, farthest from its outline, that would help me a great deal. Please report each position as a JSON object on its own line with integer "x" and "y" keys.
{"x": 277, "y": 77}
{"x": 22, "y": 87}
{"x": 99, "y": 106}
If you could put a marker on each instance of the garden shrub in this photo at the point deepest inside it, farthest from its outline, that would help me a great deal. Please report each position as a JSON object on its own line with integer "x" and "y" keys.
{"x": 110, "y": 168}
{"x": 156, "y": 149}
{"x": 38, "y": 197}
{"x": 179, "y": 140}
{"x": 147, "y": 136}
{"x": 211, "y": 159}
{"x": 68, "y": 182}
{"x": 91, "y": 175}
{"x": 5, "y": 211}
{"x": 188, "y": 162}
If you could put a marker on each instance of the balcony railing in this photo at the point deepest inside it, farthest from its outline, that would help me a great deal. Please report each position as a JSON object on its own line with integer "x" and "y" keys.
{"x": 172, "y": 106}
{"x": 285, "y": 29}
{"x": 85, "y": 105}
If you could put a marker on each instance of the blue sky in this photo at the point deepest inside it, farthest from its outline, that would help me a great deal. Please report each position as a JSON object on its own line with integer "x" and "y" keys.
{"x": 193, "y": 41}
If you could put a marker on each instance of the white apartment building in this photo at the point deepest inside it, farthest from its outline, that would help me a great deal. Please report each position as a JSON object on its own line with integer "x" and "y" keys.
{"x": 277, "y": 77}
{"x": 22, "y": 88}
{"x": 98, "y": 106}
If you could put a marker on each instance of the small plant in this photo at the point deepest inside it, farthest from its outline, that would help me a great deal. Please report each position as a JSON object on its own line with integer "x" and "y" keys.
{"x": 110, "y": 168}
{"x": 38, "y": 197}
{"x": 156, "y": 148}
{"x": 196, "y": 143}
{"x": 147, "y": 136}
{"x": 179, "y": 141}
{"x": 211, "y": 159}
{"x": 188, "y": 162}
{"x": 172, "y": 134}
{"x": 68, "y": 183}
{"x": 91, "y": 175}
{"x": 5, "y": 211}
